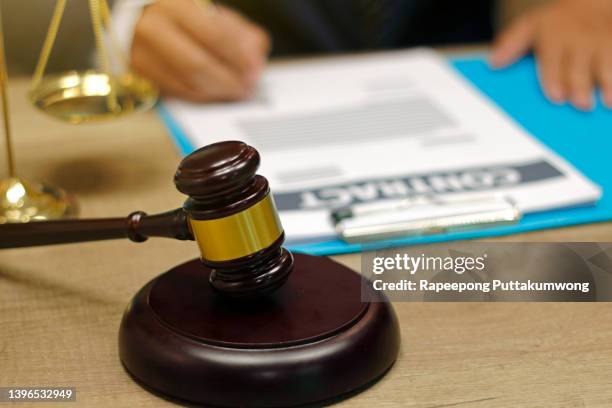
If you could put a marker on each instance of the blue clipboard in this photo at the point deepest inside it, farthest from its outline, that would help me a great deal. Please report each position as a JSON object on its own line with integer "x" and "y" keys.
{"x": 582, "y": 138}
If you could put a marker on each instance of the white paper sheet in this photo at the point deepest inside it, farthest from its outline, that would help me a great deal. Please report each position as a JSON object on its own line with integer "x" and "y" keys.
{"x": 333, "y": 132}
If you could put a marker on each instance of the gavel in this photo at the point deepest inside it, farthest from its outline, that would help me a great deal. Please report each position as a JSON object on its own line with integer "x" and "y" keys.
{"x": 230, "y": 213}
{"x": 184, "y": 342}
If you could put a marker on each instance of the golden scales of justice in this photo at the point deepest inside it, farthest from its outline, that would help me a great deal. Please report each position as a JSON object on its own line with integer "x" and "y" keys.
{"x": 74, "y": 97}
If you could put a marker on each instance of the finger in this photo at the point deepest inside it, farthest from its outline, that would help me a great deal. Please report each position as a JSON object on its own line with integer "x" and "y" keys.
{"x": 254, "y": 38}
{"x": 259, "y": 38}
{"x": 579, "y": 76}
{"x": 193, "y": 63}
{"x": 603, "y": 71}
{"x": 229, "y": 36}
{"x": 143, "y": 62}
{"x": 514, "y": 42}
{"x": 549, "y": 52}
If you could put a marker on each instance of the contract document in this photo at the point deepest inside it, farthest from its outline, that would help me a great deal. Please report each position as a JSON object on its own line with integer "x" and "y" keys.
{"x": 340, "y": 131}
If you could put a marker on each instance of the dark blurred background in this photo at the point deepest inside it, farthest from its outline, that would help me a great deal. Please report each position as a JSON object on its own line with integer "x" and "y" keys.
{"x": 26, "y": 23}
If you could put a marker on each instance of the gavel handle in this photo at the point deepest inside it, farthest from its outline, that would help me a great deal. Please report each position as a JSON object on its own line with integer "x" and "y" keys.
{"x": 138, "y": 226}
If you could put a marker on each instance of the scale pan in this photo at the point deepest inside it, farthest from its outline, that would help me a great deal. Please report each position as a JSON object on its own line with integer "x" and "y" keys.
{"x": 83, "y": 96}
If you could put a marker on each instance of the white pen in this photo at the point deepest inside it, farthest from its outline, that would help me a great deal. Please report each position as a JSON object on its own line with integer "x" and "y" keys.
{"x": 428, "y": 218}
{"x": 380, "y": 206}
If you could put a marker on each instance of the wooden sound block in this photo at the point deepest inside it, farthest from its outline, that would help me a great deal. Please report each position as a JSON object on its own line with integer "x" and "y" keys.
{"x": 311, "y": 341}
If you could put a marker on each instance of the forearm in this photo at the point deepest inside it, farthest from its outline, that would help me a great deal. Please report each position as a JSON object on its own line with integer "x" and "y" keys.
{"x": 125, "y": 16}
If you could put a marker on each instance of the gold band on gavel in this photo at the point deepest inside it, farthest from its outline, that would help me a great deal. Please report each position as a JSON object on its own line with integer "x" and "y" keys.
{"x": 240, "y": 234}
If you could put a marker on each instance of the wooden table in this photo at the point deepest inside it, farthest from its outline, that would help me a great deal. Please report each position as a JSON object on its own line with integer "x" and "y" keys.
{"x": 60, "y": 307}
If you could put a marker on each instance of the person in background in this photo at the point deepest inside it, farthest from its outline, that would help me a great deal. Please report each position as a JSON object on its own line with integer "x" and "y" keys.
{"x": 216, "y": 52}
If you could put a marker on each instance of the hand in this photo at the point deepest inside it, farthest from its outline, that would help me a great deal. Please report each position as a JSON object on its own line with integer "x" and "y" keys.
{"x": 199, "y": 52}
{"x": 572, "y": 40}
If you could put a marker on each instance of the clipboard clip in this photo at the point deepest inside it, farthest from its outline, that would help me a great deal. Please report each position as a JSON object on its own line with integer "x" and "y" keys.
{"x": 420, "y": 216}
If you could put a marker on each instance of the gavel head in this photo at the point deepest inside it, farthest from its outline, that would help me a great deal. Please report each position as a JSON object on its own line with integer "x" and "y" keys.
{"x": 233, "y": 219}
